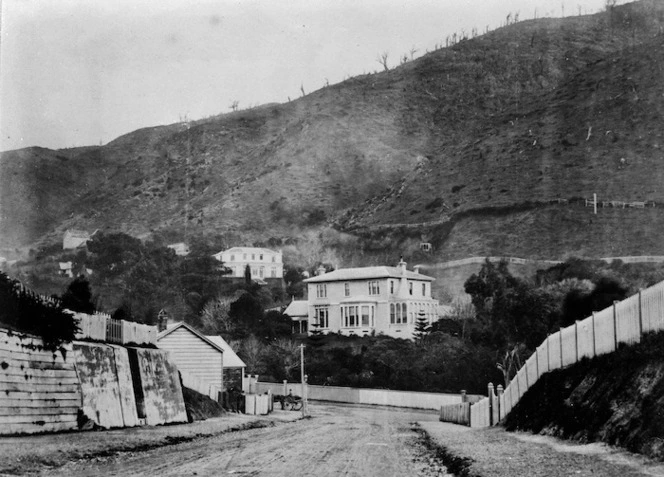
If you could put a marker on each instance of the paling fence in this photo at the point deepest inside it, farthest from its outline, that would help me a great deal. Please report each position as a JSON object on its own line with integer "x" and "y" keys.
{"x": 623, "y": 322}
{"x": 200, "y": 385}
{"x": 101, "y": 327}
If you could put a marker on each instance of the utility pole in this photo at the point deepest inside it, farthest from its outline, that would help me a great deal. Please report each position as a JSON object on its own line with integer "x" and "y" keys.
{"x": 303, "y": 380}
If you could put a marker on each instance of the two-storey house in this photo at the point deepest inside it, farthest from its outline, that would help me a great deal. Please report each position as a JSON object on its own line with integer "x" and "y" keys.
{"x": 359, "y": 301}
{"x": 264, "y": 263}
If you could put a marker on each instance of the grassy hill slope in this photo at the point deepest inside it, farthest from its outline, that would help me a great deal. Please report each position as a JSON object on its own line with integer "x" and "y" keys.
{"x": 538, "y": 110}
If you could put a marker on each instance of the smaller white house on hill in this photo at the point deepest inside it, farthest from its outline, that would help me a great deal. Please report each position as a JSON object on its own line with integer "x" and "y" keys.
{"x": 203, "y": 361}
{"x": 298, "y": 310}
{"x": 264, "y": 263}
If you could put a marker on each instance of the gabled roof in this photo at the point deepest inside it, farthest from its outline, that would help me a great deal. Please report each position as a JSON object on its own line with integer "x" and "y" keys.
{"x": 297, "y": 308}
{"x": 175, "y": 326}
{"x": 365, "y": 273}
{"x": 231, "y": 360}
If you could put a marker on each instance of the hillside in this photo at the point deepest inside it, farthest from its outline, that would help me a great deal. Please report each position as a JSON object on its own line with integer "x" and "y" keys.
{"x": 478, "y": 137}
{"x": 615, "y": 398}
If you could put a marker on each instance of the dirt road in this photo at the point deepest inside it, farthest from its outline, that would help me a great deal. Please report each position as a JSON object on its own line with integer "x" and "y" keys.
{"x": 337, "y": 441}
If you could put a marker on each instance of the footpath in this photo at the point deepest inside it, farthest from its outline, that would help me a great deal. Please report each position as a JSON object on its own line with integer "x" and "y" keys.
{"x": 26, "y": 454}
{"x": 493, "y": 452}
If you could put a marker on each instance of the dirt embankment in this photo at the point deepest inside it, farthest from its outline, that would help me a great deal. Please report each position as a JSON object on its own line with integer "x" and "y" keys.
{"x": 617, "y": 399}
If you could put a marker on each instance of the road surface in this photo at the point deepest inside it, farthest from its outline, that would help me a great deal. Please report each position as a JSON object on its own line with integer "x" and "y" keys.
{"x": 336, "y": 441}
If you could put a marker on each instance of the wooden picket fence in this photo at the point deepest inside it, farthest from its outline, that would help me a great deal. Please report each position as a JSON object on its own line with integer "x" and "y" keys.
{"x": 601, "y": 333}
{"x": 101, "y": 327}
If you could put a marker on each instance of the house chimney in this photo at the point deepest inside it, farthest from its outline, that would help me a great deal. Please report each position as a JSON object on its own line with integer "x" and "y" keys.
{"x": 416, "y": 268}
{"x": 162, "y": 320}
{"x": 402, "y": 266}
{"x": 320, "y": 270}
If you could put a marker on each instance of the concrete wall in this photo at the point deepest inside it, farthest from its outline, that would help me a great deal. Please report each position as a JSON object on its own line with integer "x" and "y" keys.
{"x": 105, "y": 377}
{"x": 160, "y": 387}
{"x": 39, "y": 390}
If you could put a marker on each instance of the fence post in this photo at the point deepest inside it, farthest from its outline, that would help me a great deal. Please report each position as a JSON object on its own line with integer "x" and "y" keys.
{"x": 548, "y": 354}
{"x": 615, "y": 326}
{"x": 490, "y": 393}
{"x": 576, "y": 339}
{"x": 594, "y": 340}
{"x": 537, "y": 373}
{"x": 500, "y": 394}
{"x": 285, "y": 390}
{"x": 464, "y": 397}
{"x": 640, "y": 316}
{"x": 560, "y": 332}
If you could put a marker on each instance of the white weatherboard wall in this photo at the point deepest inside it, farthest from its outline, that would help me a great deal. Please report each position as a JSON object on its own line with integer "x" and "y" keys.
{"x": 39, "y": 389}
{"x": 194, "y": 356}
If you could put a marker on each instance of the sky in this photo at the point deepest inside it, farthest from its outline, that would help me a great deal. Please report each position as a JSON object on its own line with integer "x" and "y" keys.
{"x": 83, "y": 72}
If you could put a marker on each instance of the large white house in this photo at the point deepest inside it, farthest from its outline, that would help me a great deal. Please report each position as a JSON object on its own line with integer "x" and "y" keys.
{"x": 359, "y": 301}
{"x": 264, "y": 263}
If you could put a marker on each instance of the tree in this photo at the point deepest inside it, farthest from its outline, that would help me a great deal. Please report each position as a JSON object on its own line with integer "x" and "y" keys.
{"x": 78, "y": 296}
{"x": 382, "y": 59}
{"x": 422, "y": 327}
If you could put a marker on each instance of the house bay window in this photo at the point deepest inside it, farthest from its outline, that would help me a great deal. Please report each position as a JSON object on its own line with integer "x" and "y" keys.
{"x": 398, "y": 313}
{"x": 355, "y": 316}
{"x": 322, "y": 316}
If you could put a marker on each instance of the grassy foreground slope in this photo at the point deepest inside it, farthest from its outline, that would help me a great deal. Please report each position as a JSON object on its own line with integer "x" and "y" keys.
{"x": 617, "y": 398}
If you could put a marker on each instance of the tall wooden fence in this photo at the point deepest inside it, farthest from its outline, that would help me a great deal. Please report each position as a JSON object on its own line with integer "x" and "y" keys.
{"x": 623, "y": 322}
{"x": 101, "y": 327}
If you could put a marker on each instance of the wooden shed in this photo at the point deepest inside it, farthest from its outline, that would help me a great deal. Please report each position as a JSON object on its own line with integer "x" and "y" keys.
{"x": 199, "y": 359}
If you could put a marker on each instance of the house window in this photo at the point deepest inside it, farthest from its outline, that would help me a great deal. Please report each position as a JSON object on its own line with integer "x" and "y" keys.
{"x": 322, "y": 315}
{"x": 374, "y": 289}
{"x": 410, "y": 287}
{"x": 321, "y": 290}
{"x": 367, "y": 315}
{"x": 232, "y": 258}
{"x": 391, "y": 286}
{"x": 253, "y": 256}
{"x": 262, "y": 272}
{"x": 260, "y": 257}
{"x": 254, "y": 272}
{"x": 398, "y": 313}
{"x": 346, "y": 289}
{"x": 244, "y": 256}
{"x": 274, "y": 259}
{"x": 273, "y": 272}
{"x": 424, "y": 289}
{"x": 355, "y": 316}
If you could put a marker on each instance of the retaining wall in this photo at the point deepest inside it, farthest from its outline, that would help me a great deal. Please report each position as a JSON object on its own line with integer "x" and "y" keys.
{"x": 105, "y": 377}
{"x": 160, "y": 387}
{"x": 39, "y": 389}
